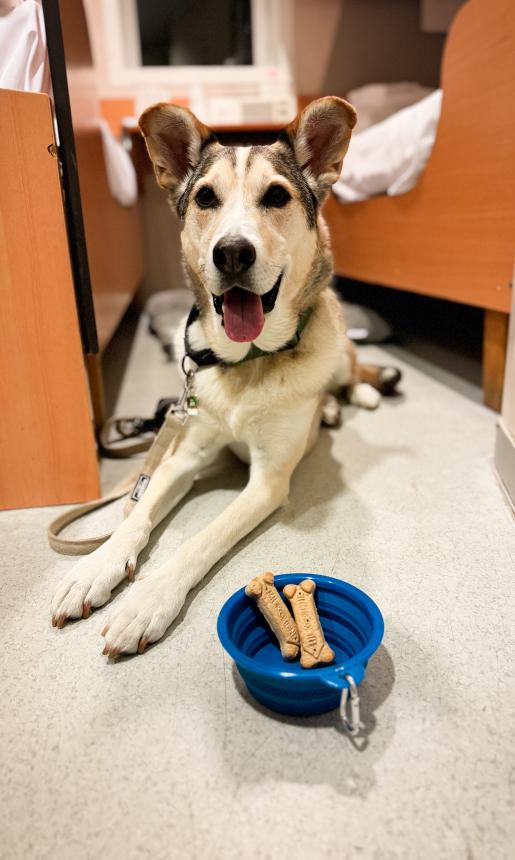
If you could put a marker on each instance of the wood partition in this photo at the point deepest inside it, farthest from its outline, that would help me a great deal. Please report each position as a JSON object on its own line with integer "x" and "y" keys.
{"x": 453, "y": 235}
{"x": 47, "y": 446}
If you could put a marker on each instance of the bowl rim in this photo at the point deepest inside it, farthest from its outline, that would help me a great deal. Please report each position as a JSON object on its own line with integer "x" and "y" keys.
{"x": 282, "y": 579}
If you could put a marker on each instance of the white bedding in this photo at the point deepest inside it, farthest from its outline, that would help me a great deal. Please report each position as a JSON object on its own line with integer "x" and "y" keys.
{"x": 388, "y": 157}
{"x": 23, "y": 57}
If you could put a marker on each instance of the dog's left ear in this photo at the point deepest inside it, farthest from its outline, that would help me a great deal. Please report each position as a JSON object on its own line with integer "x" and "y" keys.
{"x": 175, "y": 139}
{"x": 320, "y": 137}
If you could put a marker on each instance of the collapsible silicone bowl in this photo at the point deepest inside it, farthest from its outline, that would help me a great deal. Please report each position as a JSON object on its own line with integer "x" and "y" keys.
{"x": 353, "y": 627}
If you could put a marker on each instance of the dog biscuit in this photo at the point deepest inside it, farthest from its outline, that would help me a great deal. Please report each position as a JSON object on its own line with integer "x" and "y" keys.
{"x": 313, "y": 647}
{"x": 268, "y": 599}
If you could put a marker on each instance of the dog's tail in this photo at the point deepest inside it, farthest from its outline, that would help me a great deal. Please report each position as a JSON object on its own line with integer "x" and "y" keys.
{"x": 384, "y": 379}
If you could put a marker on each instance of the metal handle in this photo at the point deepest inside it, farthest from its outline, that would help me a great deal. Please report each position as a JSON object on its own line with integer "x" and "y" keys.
{"x": 350, "y": 702}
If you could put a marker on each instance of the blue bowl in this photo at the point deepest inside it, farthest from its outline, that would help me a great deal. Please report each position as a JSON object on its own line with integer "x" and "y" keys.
{"x": 353, "y": 627}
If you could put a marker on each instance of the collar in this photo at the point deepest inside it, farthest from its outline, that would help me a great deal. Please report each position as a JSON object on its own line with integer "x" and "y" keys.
{"x": 208, "y": 358}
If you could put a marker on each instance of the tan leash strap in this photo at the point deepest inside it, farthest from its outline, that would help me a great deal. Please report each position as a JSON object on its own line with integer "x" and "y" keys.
{"x": 166, "y": 440}
{"x": 82, "y": 546}
{"x": 137, "y": 482}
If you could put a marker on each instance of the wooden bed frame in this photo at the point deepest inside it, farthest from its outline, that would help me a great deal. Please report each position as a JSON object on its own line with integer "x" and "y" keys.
{"x": 453, "y": 235}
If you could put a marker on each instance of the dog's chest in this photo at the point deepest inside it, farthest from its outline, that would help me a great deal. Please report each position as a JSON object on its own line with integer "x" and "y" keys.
{"x": 254, "y": 409}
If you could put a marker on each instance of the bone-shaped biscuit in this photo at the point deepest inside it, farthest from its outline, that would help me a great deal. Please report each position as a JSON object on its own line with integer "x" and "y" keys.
{"x": 264, "y": 592}
{"x": 313, "y": 647}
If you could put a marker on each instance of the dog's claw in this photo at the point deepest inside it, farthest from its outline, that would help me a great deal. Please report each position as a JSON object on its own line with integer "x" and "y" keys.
{"x": 111, "y": 652}
{"x": 129, "y": 570}
{"x": 86, "y": 610}
{"x": 104, "y": 630}
{"x": 142, "y": 645}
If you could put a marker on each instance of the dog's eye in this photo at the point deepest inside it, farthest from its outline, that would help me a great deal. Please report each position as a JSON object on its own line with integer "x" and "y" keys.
{"x": 276, "y": 197}
{"x": 206, "y": 197}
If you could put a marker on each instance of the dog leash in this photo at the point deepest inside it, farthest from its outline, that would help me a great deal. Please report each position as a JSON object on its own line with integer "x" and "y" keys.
{"x": 165, "y": 441}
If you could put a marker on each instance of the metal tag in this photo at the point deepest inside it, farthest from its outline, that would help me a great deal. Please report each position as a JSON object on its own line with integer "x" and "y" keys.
{"x": 188, "y": 402}
{"x": 140, "y": 487}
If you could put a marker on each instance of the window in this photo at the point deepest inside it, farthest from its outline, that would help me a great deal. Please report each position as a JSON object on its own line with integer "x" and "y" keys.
{"x": 194, "y": 33}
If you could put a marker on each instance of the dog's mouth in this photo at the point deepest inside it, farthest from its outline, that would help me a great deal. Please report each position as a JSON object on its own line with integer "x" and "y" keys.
{"x": 244, "y": 312}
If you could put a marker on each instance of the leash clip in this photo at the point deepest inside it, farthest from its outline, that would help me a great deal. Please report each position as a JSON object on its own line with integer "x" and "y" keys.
{"x": 188, "y": 401}
{"x": 350, "y": 701}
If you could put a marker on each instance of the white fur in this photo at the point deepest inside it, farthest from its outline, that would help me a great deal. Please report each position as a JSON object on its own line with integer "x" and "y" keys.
{"x": 364, "y": 395}
{"x": 388, "y": 373}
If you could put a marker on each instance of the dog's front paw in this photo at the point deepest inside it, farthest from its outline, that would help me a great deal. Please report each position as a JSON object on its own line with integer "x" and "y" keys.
{"x": 90, "y": 583}
{"x": 148, "y": 610}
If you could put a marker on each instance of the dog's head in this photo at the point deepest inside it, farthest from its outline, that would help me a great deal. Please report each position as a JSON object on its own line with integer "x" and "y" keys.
{"x": 251, "y": 227}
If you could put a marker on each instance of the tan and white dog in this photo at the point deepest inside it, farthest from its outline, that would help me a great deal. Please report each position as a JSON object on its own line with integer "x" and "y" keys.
{"x": 257, "y": 257}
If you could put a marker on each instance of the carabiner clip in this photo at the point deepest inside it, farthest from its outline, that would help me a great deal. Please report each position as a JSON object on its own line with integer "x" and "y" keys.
{"x": 350, "y": 697}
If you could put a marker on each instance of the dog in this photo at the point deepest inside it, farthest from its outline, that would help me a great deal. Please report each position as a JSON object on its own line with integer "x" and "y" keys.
{"x": 266, "y": 334}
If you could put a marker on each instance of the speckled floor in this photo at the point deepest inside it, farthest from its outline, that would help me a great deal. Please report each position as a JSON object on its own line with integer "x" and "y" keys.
{"x": 166, "y": 755}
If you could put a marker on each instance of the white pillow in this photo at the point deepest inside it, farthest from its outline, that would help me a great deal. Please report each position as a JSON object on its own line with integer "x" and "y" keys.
{"x": 23, "y": 56}
{"x": 375, "y": 102}
{"x": 388, "y": 157}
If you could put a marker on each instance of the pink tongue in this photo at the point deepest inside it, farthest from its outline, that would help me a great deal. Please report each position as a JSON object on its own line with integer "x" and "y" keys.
{"x": 243, "y": 315}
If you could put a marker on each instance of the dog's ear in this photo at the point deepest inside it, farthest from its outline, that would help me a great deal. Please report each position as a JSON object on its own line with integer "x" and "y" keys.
{"x": 175, "y": 139}
{"x": 320, "y": 137}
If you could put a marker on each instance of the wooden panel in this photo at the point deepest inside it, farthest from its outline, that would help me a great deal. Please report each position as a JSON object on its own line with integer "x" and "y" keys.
{"x": 508, "y": 402}
{"x": 453, "y": 235}
{"x": 114, "y": 112}
{"x": 48, "y": 453}
{"x": 113, "y": 237}
{"x": 495, "y": 341}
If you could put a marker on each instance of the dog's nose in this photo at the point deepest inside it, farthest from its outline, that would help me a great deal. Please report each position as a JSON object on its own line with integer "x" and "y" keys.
{"x": 234, "y": 256}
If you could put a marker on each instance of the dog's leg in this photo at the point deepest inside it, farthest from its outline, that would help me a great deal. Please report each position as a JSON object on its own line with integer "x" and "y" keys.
{"x": 384, "y": 379}
{"x": 364, "y": 382}
{"x": 347, "y": 377}
{"x": 90, "y": 583}
{"x": 154, "y": 602}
